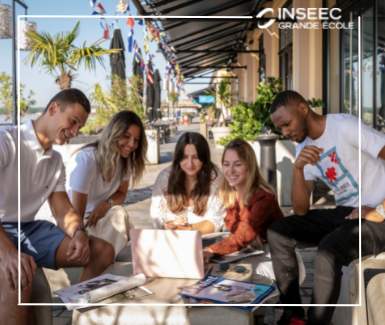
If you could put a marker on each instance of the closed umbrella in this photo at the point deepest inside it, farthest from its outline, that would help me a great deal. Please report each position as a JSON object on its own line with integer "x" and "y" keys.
{"x": 157, "y": 94}
{"x": 118, "y": 65}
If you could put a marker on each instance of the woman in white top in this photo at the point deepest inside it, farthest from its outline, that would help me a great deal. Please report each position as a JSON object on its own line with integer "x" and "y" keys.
{"x": 99, "y": 175}
{"x": 185, "y": 194}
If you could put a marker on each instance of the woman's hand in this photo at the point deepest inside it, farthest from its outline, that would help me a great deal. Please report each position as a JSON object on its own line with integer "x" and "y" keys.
{"x": 177, "y": 224}
{"x": 258, "y": 241}
{"x": 97, "y": 213}
{"x": 207, "y": 254}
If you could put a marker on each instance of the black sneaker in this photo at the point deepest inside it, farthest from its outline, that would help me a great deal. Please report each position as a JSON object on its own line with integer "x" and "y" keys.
{"x": 286, "y": 317}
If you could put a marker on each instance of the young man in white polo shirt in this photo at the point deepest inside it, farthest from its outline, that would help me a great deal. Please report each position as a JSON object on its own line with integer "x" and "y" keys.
{"x": 42, "y": 177}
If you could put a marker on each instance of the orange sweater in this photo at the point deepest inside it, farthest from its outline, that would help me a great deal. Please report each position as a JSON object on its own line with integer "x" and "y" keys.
{"x": 247, "y": 222}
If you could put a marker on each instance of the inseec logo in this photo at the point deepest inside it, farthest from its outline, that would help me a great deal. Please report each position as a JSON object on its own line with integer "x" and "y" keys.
{"x": 305, "y": 18}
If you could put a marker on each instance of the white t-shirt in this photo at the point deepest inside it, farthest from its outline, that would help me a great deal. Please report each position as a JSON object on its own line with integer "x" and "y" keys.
{"x": 41, "y": 173}
{"x": 339, "y": 167}
{"x": 160, "y": 213}
{"x": 84, "y": 176}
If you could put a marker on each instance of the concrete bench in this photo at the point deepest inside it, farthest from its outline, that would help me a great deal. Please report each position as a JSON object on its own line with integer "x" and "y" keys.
{"x": 41, "y": 294}
{"x": 350, "y": 292}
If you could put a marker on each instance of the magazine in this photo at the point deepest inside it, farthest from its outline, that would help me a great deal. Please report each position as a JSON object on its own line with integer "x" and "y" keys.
{"x": 213, "y": 289}
{"x": 100, "y": 288}
{"x": 127, "y": 295}
{"x": 242, "y": 253}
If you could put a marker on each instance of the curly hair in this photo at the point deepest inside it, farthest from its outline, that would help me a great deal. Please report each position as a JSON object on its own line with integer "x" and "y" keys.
{"x": 176, "y": 191}
{"x": 284, "y": 98}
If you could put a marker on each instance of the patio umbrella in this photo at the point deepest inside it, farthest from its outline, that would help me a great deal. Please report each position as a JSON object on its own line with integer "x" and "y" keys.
{"x": 118, "y": 65}
{"x": 137, "y": 71}
{"x": 157, "y": 93}
{"x": 150, "y": 97}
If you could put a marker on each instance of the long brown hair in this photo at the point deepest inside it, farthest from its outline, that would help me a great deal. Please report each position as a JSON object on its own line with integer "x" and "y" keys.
{"x": 254, "y": 179}
{"x": 176, "y": 190}
{"x": 108, "y": 153}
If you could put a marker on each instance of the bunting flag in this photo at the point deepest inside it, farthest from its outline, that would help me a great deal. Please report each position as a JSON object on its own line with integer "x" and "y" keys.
{"x": 123, "y": 6}
{"x": 130, "y": 22}
{"x": 149, "y": 75}
{"x": 106, "y": 28}
{"x": 130, "y": 40}
{"x": 99, "y": 10}
{"x": 140, "y": 22}
{"x": 142, "y": 65}
{"x": 92, "y": 3}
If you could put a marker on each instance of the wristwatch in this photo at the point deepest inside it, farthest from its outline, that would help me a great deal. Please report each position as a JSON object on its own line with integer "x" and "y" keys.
{"x": 83, "y": 229}
{"x": 190, "y": 227}
{"x": 380, "y": 210}
{"x": 111, "y": 202}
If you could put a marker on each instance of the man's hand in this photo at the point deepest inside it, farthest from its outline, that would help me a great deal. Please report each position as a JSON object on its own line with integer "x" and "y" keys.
{"x": 258, "y": 241}
{"x": 79, "y": 249}
{"x": 9, "y": 265}
{"x": 176, "y": 224}
{"x": 367, "y": 213}
{"x": 99, "y": 212}
{"x": 207, "y": 254}
{"x": 308, "y": 155}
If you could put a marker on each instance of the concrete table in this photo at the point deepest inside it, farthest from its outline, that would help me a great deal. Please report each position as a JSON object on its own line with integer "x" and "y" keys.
{"x": 165, "y": 292}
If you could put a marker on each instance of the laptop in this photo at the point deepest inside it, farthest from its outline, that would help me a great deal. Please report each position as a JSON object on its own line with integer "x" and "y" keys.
{"x": 167, "y": 253}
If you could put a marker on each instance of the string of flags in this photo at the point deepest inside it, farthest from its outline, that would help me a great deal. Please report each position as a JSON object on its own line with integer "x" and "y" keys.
{"x": 172, "y": 68}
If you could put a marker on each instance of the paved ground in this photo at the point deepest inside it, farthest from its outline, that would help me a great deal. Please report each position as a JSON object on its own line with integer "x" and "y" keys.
{"x": 138, "y": 206}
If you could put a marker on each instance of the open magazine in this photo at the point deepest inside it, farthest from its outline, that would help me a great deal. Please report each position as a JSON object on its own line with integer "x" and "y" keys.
{"x": 217, "y": 290}
{"x": 103, "y": 287}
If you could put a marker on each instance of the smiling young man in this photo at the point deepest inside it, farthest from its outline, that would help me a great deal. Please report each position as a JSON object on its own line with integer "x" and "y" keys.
{"x": 42, "y": 177}
{"x": 328, "y": 149}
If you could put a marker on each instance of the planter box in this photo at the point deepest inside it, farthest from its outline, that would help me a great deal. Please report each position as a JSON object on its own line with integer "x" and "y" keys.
{"x": 285, "y": 157}
{"x": 153, "y": 150}
{"x": 219, "y": 132}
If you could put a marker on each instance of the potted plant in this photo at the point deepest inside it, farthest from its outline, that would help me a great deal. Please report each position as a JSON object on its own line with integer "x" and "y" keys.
{"x": 219, "y": 110}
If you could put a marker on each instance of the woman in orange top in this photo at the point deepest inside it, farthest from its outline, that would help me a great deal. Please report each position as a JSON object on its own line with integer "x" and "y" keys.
{"x": 251, "y": 207}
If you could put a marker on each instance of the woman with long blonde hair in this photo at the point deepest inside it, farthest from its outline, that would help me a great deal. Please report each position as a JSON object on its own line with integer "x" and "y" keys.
{"x": 100, "y": 173}
{"x": 251, "y": 207}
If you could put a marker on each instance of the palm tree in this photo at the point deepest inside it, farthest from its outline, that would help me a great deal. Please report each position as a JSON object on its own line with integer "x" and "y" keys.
{"x": 61, "y": 58}
{"x": 222, "y": 97}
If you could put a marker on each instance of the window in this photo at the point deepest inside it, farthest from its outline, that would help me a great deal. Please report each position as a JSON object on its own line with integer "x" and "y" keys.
{"x": 286, "y": 55}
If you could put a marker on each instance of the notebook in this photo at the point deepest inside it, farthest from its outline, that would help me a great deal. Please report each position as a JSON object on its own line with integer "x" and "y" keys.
{"x": 167, "y": 253}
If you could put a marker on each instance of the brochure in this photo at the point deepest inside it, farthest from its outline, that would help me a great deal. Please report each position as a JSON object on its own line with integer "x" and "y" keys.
{"x": 100, "y": 288}
{"x": 127, "y": 295}
{"x": 213, "y": 289}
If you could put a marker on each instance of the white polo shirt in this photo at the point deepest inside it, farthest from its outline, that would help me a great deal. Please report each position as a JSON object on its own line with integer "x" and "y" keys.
{"x": 41, "y": 173}
{"x": 84, "y": 176}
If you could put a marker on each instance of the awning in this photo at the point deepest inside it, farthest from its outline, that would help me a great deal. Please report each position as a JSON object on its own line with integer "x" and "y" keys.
{"x": 218, "y": 42}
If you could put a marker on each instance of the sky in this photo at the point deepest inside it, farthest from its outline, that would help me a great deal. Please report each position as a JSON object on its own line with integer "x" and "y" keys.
{"x": 41, "y": 83}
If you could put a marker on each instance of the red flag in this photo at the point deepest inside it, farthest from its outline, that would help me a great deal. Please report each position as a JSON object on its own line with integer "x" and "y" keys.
{"x": 130, "y": 22}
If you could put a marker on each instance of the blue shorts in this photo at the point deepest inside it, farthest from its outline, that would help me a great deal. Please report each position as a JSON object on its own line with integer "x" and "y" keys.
{"x": 39, "y": 239}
